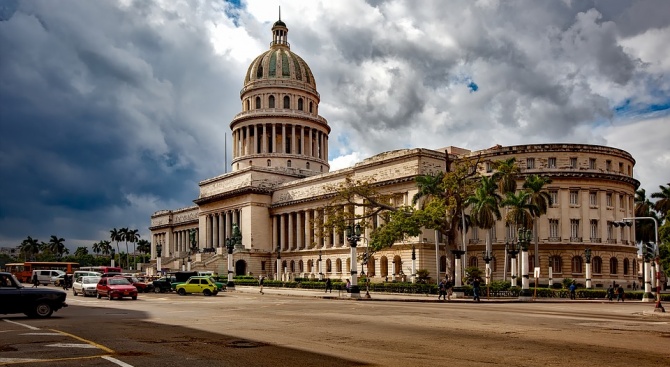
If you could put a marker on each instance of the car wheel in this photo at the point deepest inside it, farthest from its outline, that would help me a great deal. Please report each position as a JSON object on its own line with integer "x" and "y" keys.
{"x": 207, "y": 292}
{"x": 109, "y": 296}
{"x": 181, "y": 291}
{"x": 42, "y": 309}
{"x": 134, "y": 298}
{"x": 97, "y": 295}
{"x": 157, "y": 290}
{"x": 215, "y": 293}
{"x": 74, "y": 292}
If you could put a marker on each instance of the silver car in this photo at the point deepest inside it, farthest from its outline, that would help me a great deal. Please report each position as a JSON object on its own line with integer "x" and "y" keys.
{"x": 85, "y": 285}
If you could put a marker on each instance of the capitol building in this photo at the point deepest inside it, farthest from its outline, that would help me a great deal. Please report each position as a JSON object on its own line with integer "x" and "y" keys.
{"x": 280, "y": 182}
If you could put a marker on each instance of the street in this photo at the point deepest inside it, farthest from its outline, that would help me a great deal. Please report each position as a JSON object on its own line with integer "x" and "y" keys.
{"x": 244, "y": 328}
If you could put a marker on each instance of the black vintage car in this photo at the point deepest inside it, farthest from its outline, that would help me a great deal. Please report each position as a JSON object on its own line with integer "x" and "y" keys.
{"x": 168, "y": 282}
{"x": 34, "y": 302}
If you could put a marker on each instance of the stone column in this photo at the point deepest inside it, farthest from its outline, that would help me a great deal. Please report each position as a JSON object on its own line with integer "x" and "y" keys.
{"x": 290, "y": 231}
{"x": 264, "y": 148}
{"x": 283, "y": 139}
{"x": 222, "y": 232}
{"x": 215, "y": 230}
{"x": 275, "y": 229}
{"x": 299, "y": 231}
{"x": 293, "y": 150}
{"x": 308, "y": 238}
{"x": 317, "y": 243}
{"x": 282, "y": 232}
{"x": 274, "y": 138}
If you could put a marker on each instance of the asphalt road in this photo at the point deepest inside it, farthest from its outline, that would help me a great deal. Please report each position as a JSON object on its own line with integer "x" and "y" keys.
{"x": 249, "y": 329}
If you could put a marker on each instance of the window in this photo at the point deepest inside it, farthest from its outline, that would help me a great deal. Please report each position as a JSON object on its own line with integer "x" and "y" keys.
{"x": 287, "y": 102}
{"x": 258, "y": 102}
{"x": 511, "y": 232}
{"x": 610, "y": 231}
{"x": 608, "y": 165}
{"x": 574, "y": 228}
{"x": 621, "y": 202}
{"x": 310, "y": 107}
{"x": 247, "y": 108}
{"x": 592, "y": 163}
{"x": 489, "y": 167}
{"x": 329, "y": 266}
{"x": 597, "y": 264}
{"x": 573, "y": 162}
{"x": 300, "y": 104}
{"x": 301, "y": 266}
{"x": 593, "y": 199}
{"x": 614, "y": 265}
{"x": 553, "y": 195}
{"x": 594, "y": 230}
{"x": 556, "y": 264}
{"x": 554, "y": 233}
{"x": 269, "y": 163}
{"x": 288, "y": 164}
{"x": 530, "y": 163}
{"x": 263, "y": 265}
{"x": 552, "y": 162}
{"x": 626, "y": 266}
{"x": 307, "y": 165}
{"x": 271, "y": 102}
{"x": 608, "y": 198}
{"x": 338, "y": 265}
{"x": 473, "y": 261}
{"x": 292, "y": 266}
{"x": 629, "y": 170}
{"x": 492, "y": 231}
{"x": 577, "y": 265}
{"x": 475, "y": 233}
{"x": 574, "y": 197}
{"x": 621, "y": 167}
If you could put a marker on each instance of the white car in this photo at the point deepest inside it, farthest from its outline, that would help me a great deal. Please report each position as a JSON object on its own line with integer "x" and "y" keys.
{"x": 85, "y": 285}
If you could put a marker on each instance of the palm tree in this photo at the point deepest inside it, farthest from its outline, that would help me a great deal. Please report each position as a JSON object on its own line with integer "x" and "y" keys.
{"x": 506, "y": 174}
{"x": 522, "y": 210}
{"x": 534, "y": 184}
{"x": 485, "y": 206}
{"x": 57, "y": 246}
{"x": 644, "y": 230}
{"x": 662, "y": 205}
{"x": 144, "y": 246}
{"x": 115, "y": 235}
{"x": 96, "y": 248}
{"x": 429, "y": 186}
{"x": 132, "y": 235}
{"x": 81, "y": 251}
{"x": 105, "y": 247}
{"x": 30, "y": 246}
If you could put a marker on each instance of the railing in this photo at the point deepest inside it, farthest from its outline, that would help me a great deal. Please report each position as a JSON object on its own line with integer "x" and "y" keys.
{"x": 474, "y": 241}
{"x": 575, "y": 239}
{"x": 625, "y": 242}
{"x": 611, "y": 240}
{"x": 554, "y": 239}
{"x": 595, "y": 240}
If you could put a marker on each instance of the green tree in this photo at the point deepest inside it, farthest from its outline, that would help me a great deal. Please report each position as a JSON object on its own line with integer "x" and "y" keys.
{"x": 662, "y": 205}
{"x": 644, "y": 229}
{"x": 521, "y": 209}
{"x": 105, "y": 247}
{"x": 132, "y": 236}
{"x": 485, "y": 206}
{"x": 143, "y": 246}
{"x": 57, "y": 246}
{"x": 506, "y": 174}
{"x": 81, "y": 251}
{"x": 31, "y": 247}
{"x": 96, "y": 248}
{"x": 116, "y": 236}
{"x": 539, "y": 197}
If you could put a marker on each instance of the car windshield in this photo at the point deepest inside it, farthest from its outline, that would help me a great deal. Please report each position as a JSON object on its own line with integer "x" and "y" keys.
{"x": 90, "y": 280}
{"x": 134, "y": 280}
{"x": 119, "y": 281}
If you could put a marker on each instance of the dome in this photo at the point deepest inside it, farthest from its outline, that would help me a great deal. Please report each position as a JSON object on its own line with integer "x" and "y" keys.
{"x": 279, "y": 65}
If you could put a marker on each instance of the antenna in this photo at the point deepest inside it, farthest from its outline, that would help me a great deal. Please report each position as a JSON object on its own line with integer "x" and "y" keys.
{"x": 225, "y": 153}
{"x": 279, "y": 12}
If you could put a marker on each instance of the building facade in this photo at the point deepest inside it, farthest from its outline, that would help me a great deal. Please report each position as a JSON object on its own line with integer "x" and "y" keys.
{"x": 281, "y": 181}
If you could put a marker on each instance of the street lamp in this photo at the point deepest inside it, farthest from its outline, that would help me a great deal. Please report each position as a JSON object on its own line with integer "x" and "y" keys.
{"x": 278, "y": 261}
{"x": 413, "y": 264}
{"x": 231, "y": 242}
{"x": 512, "y": 251}
{"x": 353, "y": 234}
{"x": 320, "y": 266}
{"x": 523, "y": 241}
{"x": 112, "y": 258}
{"x": 486, "y": 255}
{"x": 159, "y": 252}
{"x": 587, "y": 255}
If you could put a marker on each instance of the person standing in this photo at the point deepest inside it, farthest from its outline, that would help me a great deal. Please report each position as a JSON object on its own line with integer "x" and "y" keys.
{"x": 261, "y": 279}
{"x": 442, "y": 290}
{"x": 35, "y": 281}
{"x": 449, "y": 286}
{"x": 619, "y": 293}
{"x": 610, "y": 293}
{"x": 329, "y": 286}
{"x": 573, "y": 293}
{"x": 475, "y": 289}
{"x": 348, "y": 285}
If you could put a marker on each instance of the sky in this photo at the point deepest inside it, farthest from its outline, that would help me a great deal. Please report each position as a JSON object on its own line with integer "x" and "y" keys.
{"x": 112, "y": 110}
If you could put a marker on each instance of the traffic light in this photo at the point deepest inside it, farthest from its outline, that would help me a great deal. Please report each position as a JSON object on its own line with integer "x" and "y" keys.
{"x": 648, "y": 251}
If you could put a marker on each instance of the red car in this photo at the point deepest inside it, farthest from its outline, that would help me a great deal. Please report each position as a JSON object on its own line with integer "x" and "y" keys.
{"x": 115, "y": 287}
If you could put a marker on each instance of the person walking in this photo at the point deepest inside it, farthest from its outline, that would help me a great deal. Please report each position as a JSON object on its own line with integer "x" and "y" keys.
{"x": 442, "y": 291}
{"x": 475, "y": 289}
{"x": 619, "y": 293}
{"x": 329, "y": 286}
{"x": 449, "y": 286}
{"x": 261, "y": 280}
{"x": 573, "y": 293}
{"x": 35, "y": 281}
{"x": 610, "y": 293}
{"x": 348, "y": 285}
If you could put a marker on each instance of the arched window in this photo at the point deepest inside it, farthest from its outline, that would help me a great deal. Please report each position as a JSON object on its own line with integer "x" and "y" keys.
{"x": 371, "y": 267}
{"x": 307, "y": 165}
{"x": 614, "y": 265}
{"x": 292, "y": 266}
{"x": 258, "y": 102}
{"x": 577, "y": 265}
{"x": 384, "y": 266}
{"x": 271, "y": 102}
{"x": 311, "y": 107}
{"x": 348, "y": 269}
{"x": 397, "y": 262}
{"x": 251, "y": 163}
{"x": 269, "y": 163}
{"x": 283, "y": 266}
{"x": 597, "y": 264}
{"x": 247, "y": 108}
{"x": 288, "y": 164}
{"x": 301, "y": 268}
{"x": 329, "y": 266}
{"x": 287, "y": 102}
{"x": 626, "y": 266}
{"x": 338, "y": 265}
{"x": 473, "y": 261}
{"x": 531, "y": 262}
{"x": 494, "y": 265}
{"x": 309, "y": 266}
{"x": 300, "y": 104}
{"x": 556, "y": 264}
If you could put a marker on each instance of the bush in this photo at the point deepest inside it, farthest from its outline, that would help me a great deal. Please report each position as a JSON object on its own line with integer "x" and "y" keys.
{"x": 566, "y": 282}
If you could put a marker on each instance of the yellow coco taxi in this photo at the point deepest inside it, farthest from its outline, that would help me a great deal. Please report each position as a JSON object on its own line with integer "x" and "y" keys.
{"x": 202, "y": 285}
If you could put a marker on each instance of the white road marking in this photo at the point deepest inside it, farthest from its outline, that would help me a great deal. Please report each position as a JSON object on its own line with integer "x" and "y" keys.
{"x": 72, "y": 345}
{"x": 19, "y": 360}
{"x": 114, "y": 360}
{"x": 24, "y": 325}
{"x": 40, "y": 334}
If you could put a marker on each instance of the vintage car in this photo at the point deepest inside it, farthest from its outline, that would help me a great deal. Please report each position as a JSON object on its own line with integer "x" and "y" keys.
{"x": 85, "y": 285}
{"x": 142, "y": 287}
{"x": 164, "y": 284}
{"x": 34, "y": 302}
{"x": 115, "y": 287}
{"x": 202, "y": 285}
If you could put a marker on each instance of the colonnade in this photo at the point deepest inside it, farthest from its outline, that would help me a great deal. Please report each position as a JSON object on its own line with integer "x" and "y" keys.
{"x": 178, "y": 242}
{"x": 302, "y": 230}
{"x": 280, "y": 138}
{"x": 219, "y": 226}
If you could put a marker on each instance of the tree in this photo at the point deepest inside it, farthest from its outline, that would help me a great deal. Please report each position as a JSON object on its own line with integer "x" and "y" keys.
{"x": 534, "y": 184}
{"x": 81, "y": 251}
{"x": 116, "y": 235}
{"x": 485, "y": 206}
{"x": 143, "y": 246}
{"x": 57, "y": 247}
{"x": 644, "y": 229}
{"x": 132, "y": 236}
{"x": 506, "y": 174}
{"x": 521, "y": 209}
{"x": 30, "y": 246}
{"x": 105, "y": 247}
{"x": 662, "y": 205}
{"x": 428, "y": 187}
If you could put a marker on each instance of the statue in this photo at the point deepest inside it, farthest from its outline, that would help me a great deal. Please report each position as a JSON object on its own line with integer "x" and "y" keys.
{"x": 191, "y": 236}
{"x": 587, "y": 254}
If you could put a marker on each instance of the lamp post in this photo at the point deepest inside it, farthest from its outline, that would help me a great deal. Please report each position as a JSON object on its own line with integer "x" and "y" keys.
{"x": 231, "y": 242}
{"x": 523, "y": 241}
{"x": 183, "y": 265}
{"x": 278, "y": 262}
{"x": 353, "y": 234}
{"x": 112, "y": 258}
{"x": 364, "y": 264}
{"x": 648, "y": 296}
{"x": 486, "y": 255}
{"x": 159, "y": 252}
{"x": 413, "y": 264}
{"x": 551, "y": 272}
{"x": 320, "y": 266}
{"x": 512, "y": 251}
{"x": 587, "y": 255}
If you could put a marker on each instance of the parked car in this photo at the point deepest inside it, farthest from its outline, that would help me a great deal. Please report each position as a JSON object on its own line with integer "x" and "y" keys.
{"x": 45, "y": 276}
{"x": 202, "y": 285}
{"x": 34, "y": 302}
{"x": 220, "y": 286}
{"x": 85, "y": 285}
{"x": 164, "y": 284}
{"x": 58, "y": 280}
{"x": 142, "y": 287}
{"x": 115, "y": 287}
{"x": 85, "y": 273}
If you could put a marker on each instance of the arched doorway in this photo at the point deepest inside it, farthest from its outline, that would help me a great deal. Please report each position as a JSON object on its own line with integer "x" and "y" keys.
{"x": 241, "y": 267}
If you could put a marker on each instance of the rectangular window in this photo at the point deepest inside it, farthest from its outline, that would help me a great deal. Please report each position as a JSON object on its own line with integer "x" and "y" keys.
{"x": 621, "y": 167}
{"x": 553, "y": 194}
{"x": 475, "y": 233}
{"x": 592, "y": 163}
{"x": 493, "y": 234}
{"x": 489, "y": 167}
{"x": 573, "y": 162}
{"x": 608, "y": 165}
{"x": 574, "y": 197}
{"x": 511, "y": 232}
{"x": 621, "y": 202}
{"x": 593, "y": 199}
{"x": 594, "y": 230}
{"x": 530, "y": 163}
{"x": 552, "y": 162}
{"x": 553, "y": 229}
{"x": 574, "y": 228}
{"x": 610, "y": 231}
{"x": 609, "y": 200}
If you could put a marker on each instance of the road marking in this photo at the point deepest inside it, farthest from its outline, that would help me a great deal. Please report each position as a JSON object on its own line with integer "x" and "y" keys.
{"x": 6, "y": 361}
{"x": 24, "y": 325}
{"x": 86, "y": 341}
{"x": 40, "y": 334}
{"x": 114, "y": 360}
{"x": 71, "y": 345}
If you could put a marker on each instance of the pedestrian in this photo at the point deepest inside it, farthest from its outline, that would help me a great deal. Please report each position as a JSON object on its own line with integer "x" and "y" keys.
{"x": 261, "y": 279}
{"x": 35, "y": 281}
{"x": 329, "y": 286}
{"x": 348, "y": 286}
{"x": 475, "y": 289}
{"x": 573, "y": 288}
{"x": 610, "y": 293}
{"x": 634, "y": 286}
{"x": 450, "y": 288}
{"x": 619, "y": 293}
{"x": 442, "y": 290}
